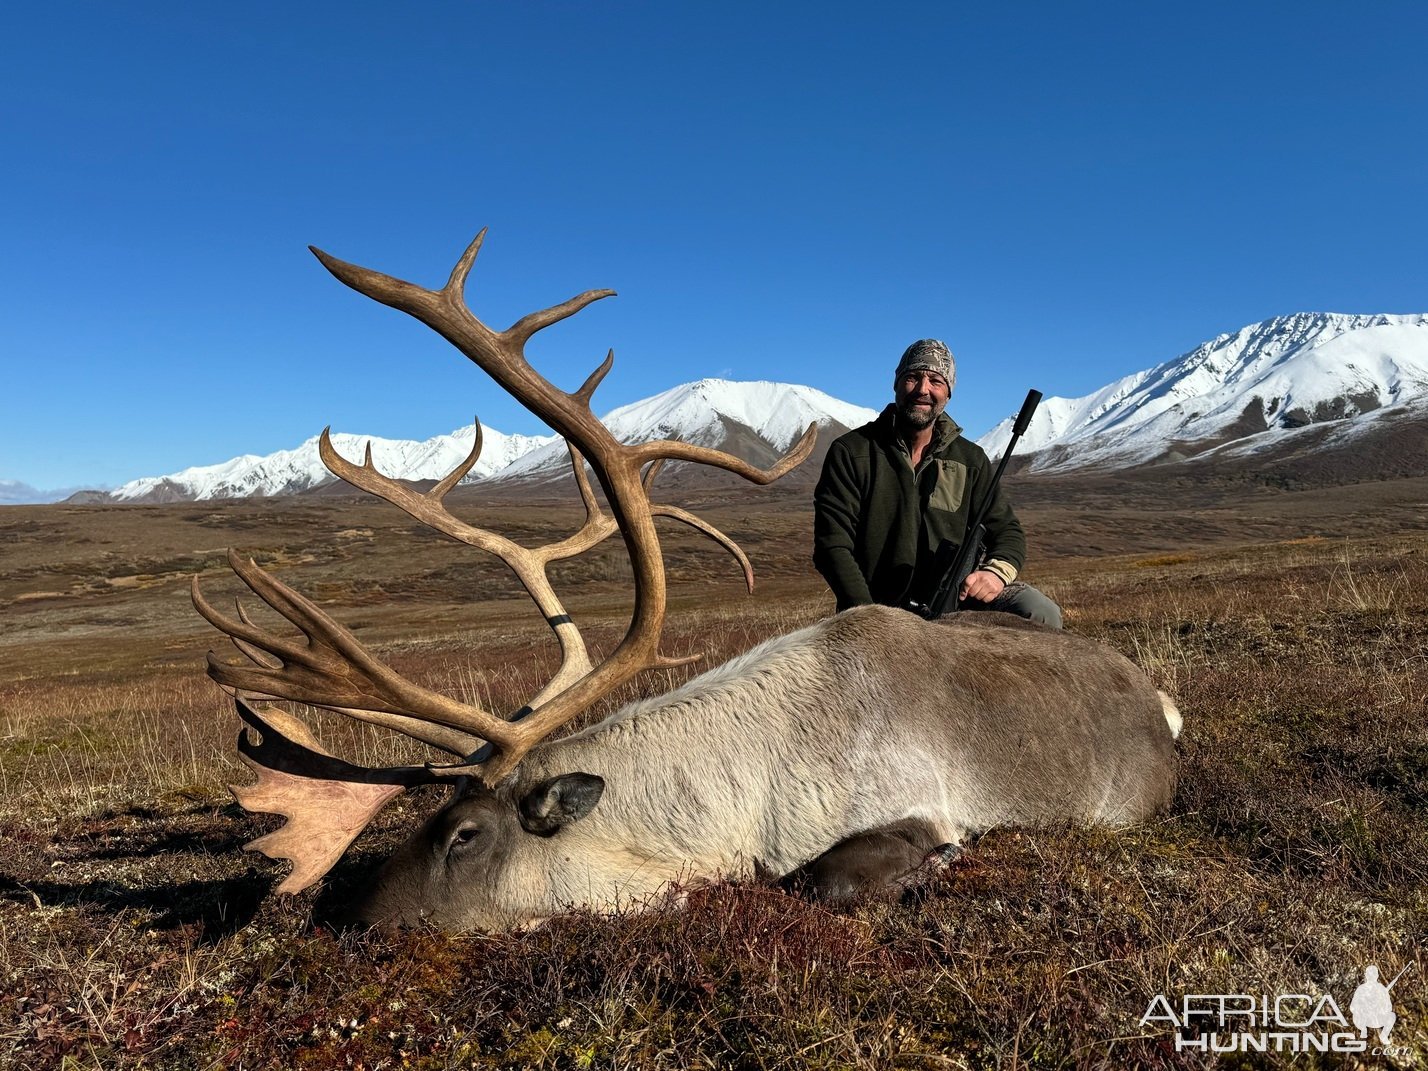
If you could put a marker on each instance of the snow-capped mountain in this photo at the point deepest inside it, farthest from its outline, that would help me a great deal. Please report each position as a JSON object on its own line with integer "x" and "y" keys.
{"x": 749, "y": 418}
{"x": 711, "y": 412}
{"x": 290, "y": 472}
{"x": 1239, "y": 392}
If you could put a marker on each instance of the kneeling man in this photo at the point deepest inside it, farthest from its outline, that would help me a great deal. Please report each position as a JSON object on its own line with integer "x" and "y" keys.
{"x": 893, "y": 490}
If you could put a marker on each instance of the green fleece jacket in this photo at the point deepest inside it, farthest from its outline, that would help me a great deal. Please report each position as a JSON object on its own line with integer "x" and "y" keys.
{"x": 877, "y": 523}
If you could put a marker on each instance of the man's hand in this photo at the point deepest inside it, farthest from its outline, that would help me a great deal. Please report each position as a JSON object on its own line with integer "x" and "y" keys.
{"x": 983, "y": 585}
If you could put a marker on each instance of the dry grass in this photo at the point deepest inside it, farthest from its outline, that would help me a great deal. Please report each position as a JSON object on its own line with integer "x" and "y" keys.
{"x": 135, "y": 933}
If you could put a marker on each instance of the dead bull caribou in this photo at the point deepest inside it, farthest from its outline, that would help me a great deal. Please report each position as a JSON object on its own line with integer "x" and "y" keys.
{"x": 841, "y": 753}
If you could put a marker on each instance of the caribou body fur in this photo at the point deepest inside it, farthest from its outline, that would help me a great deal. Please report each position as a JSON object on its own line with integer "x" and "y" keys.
{"x": 869, "y": 720}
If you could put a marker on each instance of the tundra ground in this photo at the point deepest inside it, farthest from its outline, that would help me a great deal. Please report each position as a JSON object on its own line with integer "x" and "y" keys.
{"x": 135, "y": 933}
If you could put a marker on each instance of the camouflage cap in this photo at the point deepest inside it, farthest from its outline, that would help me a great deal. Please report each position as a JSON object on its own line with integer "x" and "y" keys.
{"x": 929, "y": 354}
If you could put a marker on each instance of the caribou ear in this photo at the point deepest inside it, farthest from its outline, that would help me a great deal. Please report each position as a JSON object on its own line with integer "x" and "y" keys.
{"x": 559, "y": 801}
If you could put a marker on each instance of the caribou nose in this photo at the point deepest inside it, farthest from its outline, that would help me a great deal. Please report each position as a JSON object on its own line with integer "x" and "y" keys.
{"x": 366, "y": 915}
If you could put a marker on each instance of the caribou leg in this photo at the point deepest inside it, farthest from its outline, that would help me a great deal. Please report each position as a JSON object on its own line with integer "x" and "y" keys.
{"x": 888, "y": 862}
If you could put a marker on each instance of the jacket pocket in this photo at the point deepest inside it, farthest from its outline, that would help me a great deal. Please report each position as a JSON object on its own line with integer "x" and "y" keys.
{"x": 951, "y": 486}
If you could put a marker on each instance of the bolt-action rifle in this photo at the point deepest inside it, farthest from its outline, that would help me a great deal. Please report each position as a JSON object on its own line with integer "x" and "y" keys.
{"x": 955, "y": 563}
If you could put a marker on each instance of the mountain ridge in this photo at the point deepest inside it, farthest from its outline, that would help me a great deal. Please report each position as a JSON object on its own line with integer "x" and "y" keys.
{"x": 706, "y": 412}
{"x": 1257, "y": 383}
{"x": 1240, "y": 398}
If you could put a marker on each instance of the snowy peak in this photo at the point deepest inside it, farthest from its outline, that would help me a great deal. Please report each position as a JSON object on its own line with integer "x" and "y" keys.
{"x": 779, "y": 412}
{"x": 707, "y": 413}
{"x": 1266, "y": 379}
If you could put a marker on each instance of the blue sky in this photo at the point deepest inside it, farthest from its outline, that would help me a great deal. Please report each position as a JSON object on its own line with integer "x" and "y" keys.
{"x": 1065, "y": 193}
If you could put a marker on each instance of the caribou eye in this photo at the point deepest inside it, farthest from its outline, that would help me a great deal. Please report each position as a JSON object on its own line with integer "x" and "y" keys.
{"x": 462, "y": 836}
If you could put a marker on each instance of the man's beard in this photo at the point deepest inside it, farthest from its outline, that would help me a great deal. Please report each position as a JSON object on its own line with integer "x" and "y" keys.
{"x": 910, "y": 416}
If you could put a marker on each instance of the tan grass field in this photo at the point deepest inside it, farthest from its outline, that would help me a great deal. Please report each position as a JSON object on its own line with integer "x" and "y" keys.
{"x": 135, "y": 933}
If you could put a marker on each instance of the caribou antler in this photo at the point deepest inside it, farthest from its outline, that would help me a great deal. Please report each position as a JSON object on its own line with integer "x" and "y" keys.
{"x": 332, "y": 669}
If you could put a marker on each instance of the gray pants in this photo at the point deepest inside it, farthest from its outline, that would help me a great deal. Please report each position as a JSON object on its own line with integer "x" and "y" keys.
{"x": 1024, "y": 601}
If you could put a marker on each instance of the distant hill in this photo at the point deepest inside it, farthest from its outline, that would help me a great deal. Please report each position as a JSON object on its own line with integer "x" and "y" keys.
{"x": 15, "y": 493}
{"x": 290, "y": 472}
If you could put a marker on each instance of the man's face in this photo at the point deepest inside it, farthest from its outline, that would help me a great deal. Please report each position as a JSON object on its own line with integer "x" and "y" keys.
{"x": 920, "y": 395}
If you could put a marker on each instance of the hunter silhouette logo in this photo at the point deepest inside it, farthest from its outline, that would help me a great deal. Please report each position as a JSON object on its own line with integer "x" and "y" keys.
{"x": 1284, "y": 1022}
{"x": 1371, "y": 1007}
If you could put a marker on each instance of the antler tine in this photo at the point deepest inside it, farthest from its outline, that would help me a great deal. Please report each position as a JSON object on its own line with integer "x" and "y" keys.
{"x": 582, "y": 483}
{"x": 675, "y": 513}
{"x": 256, "y": 654}
{"x": 651, "y": 471}
{"x": 587, "y": 389}
{"x": 698, "y": 523}
{"x": 673, "y": 450}
{"x": 456, "y": 284}
{"x": 456, "y": 475}
{"x": 521, "y": 331}
{"x": 426, "y": 507}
